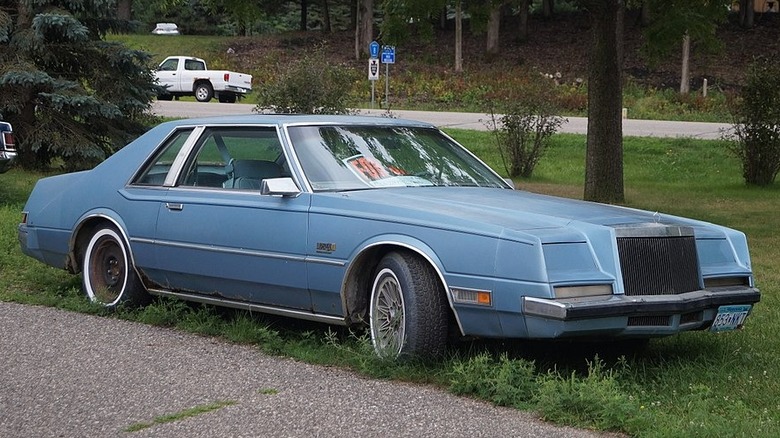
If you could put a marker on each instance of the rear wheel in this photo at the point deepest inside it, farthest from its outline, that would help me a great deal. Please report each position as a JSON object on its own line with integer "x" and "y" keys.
{"x": 109, "y": 277}
{"x": 203, "y": 92}
{"x": 408, "y": 313}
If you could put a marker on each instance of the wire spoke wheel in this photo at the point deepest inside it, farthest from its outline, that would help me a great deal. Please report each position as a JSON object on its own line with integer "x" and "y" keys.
{"x": 407, "y": 312}
{"x": 387, "y": 315}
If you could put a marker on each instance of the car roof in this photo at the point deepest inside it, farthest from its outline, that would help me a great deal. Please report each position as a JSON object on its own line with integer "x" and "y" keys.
{"x": 295, "y": 119}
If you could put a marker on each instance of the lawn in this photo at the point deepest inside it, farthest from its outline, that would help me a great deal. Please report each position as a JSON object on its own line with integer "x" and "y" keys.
{"x": 694, "y": 384}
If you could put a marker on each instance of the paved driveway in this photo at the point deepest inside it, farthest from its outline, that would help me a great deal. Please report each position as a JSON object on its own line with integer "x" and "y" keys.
{"x": 66, "y": 374}
{"x": 574, "y": 125}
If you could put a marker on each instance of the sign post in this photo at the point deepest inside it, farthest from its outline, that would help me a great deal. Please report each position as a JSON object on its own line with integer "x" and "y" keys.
{"x": 373, "y": 76}
{"x": 373, "y": 68}
{"x": 388, "y": 57}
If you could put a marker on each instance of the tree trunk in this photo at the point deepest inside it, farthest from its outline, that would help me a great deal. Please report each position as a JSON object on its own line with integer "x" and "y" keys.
{"x": 494, "y": 27}
{"x": 124, "y": 10}
{"x": 458, "y": 37}
{"x": 548, "y": 8}
{"x": 747, "y": 12}
{"x": 366, "y": 21}
{"x": 522, "y": 32}
{"x": 304, "y": 15}
{"x": 356, "y": 27}
{"x": 326, "y": 16}
{"x": 685, "y": 79}
{"x": 644, "y": 14}
{"x": 604, "y": 156}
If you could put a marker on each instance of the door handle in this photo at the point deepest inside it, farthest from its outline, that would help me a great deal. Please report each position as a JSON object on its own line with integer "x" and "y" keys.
{"x": 174, "y": 206}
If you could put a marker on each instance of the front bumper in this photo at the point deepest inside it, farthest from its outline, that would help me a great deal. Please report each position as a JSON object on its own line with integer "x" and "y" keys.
{"x": 641, "y": 305}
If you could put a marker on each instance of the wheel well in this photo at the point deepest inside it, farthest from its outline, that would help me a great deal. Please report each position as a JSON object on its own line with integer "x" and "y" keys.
{"x": 357, "y": 285}
{"x": 201, "y": 81}
{"x": 81, "y": 240}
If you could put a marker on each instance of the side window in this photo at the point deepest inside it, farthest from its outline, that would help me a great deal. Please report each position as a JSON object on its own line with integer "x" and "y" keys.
{"x": 157, "y": 168}
{"x": 169, "y": 65}
{"x": 235, "y": 158}
{"x": 191, "y": 64}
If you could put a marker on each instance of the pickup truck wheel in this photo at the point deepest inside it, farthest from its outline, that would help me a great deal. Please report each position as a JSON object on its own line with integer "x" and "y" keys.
{"x": 203, "y": 92}
{"x": 408, "y": 311}
{"x": 165, "y": 97}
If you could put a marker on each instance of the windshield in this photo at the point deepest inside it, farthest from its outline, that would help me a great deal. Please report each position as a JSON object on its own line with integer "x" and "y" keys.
{"x": 337, "y": 158}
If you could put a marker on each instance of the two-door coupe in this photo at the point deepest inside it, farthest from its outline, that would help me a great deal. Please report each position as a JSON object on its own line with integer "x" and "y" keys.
{"x": 378, "y": 221}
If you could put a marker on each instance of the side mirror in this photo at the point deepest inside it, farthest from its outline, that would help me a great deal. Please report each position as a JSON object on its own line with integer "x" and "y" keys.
{"x": 280, "y": 187}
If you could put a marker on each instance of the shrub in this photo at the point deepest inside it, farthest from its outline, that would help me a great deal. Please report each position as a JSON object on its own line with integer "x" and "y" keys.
{"x": 309, "y": 85}
{"x": 756, "y": 132}
{"x": 523, "y": 133}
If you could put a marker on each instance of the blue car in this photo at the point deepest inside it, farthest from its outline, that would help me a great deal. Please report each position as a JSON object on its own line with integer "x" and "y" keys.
{"x": 376, "y": 222}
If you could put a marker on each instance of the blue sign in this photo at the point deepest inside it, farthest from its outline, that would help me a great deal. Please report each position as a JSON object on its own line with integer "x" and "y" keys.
{"x": 373, "y": 49}
{"x": 388, "y": 55}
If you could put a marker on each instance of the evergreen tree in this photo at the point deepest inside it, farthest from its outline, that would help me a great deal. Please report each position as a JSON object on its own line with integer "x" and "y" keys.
{"x": 67, "y": 92}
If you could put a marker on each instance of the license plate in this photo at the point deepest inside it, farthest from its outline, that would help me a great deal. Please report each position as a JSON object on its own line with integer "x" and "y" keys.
{"x": 730, "y": 317}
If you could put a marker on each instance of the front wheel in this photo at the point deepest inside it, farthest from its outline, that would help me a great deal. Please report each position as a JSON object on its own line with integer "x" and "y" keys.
{"x": 109, "y": 277}
{"x": 408, "y": 314}
{"x": 203, "y": 92}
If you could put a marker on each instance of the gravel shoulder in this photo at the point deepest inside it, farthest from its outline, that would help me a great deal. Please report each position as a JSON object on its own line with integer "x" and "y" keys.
{"x": 71, "y": 375}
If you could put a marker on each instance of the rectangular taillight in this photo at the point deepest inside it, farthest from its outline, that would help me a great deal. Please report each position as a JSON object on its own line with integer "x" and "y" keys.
{"x": 8, "y": 139}
{"x": 226, "y": 78}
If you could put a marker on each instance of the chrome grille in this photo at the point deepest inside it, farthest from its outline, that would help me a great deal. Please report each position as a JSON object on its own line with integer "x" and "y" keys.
{"x": 659, "y": 265}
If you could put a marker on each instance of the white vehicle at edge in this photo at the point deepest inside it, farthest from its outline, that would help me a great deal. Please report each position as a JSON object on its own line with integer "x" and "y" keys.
{"x": 166, "y": 29}
{"x": 189, "y": 76}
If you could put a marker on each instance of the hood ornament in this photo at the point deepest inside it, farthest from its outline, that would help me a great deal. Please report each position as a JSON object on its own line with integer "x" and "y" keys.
{"x": 656, "y": 217}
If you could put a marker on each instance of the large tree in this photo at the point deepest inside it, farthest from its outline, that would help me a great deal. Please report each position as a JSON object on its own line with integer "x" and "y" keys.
{"x": 68, "y": 93}
{"x": 604, "y": 156}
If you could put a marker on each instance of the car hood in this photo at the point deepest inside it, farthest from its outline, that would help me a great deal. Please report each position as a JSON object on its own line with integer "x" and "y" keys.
{"x": 496, "y": 211}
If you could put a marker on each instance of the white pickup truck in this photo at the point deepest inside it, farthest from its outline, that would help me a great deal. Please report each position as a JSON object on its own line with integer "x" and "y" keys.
{"x": 188, "y": 76}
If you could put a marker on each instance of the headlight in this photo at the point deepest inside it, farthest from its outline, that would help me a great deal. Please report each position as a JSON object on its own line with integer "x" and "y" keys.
{"x": 582, "y": 291}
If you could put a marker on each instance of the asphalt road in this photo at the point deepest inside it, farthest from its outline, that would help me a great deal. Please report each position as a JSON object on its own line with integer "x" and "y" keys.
{"x": 66, "y": 374}
{"x": 575, "y": 125}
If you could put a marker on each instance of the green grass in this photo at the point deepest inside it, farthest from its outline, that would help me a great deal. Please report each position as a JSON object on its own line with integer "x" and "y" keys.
{"x": 694, "y": 384}
{"x": 211, "y": 48}
{"x": 181, "y": 415}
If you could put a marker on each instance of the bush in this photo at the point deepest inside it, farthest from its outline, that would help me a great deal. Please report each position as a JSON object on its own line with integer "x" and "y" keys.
{"x": 523, "y": 133}
{"x": 309, "y": 85}
{"x": 757, "y": 123}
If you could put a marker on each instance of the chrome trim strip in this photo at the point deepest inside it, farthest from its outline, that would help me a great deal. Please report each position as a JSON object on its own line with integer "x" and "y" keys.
{"x": 242, "y": 251}
{"x": 652, "y": 230}
{"x": 324, "y": 261}
{"x": 299, "y": 314}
